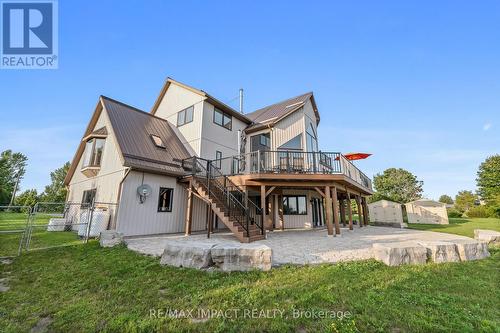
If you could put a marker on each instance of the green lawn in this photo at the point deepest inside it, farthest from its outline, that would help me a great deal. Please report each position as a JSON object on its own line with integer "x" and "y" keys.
{"x": 84, "y": 288}
{"x": 461, "y": 226}
{"x": 9, "y": 243}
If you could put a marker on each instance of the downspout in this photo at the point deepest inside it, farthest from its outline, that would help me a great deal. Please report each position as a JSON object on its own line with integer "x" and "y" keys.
{"x": 118, "y": 198}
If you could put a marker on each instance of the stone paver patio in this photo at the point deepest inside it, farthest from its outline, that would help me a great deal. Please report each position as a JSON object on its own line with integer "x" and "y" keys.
{"x": 305, "y": 246}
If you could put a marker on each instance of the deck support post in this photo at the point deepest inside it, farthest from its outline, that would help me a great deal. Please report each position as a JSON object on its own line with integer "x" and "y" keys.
{"x": 280, "y": 211}
{"x": 366, "y": 214}
{"x": 335, "y": 210}
{"x": 349, "y": 210}
{"x": 209, "y": 220}
{"x": 342, "y": 212}
{"x": 189, "y": 210}
{"x": 263, "y": 207}
{"x": 329, "y": 213}
{"x": 360, "y": 213}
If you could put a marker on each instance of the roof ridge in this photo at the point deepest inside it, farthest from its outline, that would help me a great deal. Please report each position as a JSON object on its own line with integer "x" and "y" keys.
{"x": 281, "y": 102}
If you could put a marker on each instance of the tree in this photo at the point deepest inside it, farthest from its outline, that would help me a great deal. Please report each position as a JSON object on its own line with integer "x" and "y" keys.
{"x": 12, "y": 170}
{"x": 446, "y": 199}
{"x": 56, "y": 191}
{"x": 398, "y": 185}
{"x": 27, "y": 198}
{"x": 465, "y": 200}
{"x": 488, "y": 178}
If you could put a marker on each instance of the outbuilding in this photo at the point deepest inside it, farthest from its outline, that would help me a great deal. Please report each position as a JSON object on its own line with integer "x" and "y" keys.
{"x": 385, "y": 212}
{"x": 426, "y": 211}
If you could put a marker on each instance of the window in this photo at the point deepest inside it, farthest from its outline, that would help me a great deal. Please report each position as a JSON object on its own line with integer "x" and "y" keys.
{"x": 165, "y": 199}
{"x": 218, "y": 159}
{"x": 93, "y": 153}
{"x": 292, "y": 144}
{"x": 312, "y": 141}
{"x": 185, "y": 116}
{"x": 294, "y": 205}
{"x": 223, "y": 119}
{"x": 260, "y": 142}
{"x": 88, "y": 197}
{"x": 158, "y": 142}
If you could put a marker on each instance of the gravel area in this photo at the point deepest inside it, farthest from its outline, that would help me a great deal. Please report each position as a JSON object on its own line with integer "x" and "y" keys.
{"x": 305, "y": 246}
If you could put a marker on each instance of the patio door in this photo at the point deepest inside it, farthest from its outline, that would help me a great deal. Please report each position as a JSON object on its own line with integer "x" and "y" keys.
{"x": 317, "y": 212}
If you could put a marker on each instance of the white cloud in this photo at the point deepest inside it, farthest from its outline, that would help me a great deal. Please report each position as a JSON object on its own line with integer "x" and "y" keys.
{"x": 486, "y": 126}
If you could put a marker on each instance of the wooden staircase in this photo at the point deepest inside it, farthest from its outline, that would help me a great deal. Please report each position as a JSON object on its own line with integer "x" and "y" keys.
{"x": 232, "y": 221}
{"x": 231, "y": 205}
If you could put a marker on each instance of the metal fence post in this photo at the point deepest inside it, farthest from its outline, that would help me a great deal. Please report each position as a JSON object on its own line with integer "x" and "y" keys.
{"x": 89, "y": 221}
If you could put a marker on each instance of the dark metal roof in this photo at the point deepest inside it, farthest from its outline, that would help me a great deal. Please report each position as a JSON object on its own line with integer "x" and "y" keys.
{"x": 278, "y": 110}
{"x": 133, "y": 129}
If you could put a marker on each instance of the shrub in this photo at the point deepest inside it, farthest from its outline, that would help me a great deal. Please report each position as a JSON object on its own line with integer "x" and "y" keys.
{"x": 480, "y": 211}
{"x": 453, "y": 213}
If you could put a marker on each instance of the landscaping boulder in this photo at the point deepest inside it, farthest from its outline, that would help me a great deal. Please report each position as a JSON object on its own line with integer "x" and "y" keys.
{"x": 399, "y": 253}
{"x": 187, "y": 254}
{"x": 242, "y": 257}
{"x": 440, "y": 251}
{"x": 110, "y": 238}
{"x": 489, "y": 236}
{"x": 471, "y": 249}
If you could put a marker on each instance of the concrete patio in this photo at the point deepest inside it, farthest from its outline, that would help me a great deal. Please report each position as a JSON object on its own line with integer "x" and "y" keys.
{"x": 310, "y": 246}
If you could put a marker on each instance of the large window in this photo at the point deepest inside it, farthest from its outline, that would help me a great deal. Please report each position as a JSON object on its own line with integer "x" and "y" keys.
{"x": 292, "y": 144}
{"x": 88, "y": 198}
{"x": 294, "y": 205}
{"x": 185, "y": 116}
{"x": 223, "y": 119}
{"x": 93, "y": 152}
{"x": 165, "y": 199}
{"x": 312, "y": 141}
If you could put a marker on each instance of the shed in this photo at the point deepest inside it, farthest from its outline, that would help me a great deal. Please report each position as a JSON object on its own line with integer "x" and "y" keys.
{"x": 427, "y": 212}
{"x": 385, "y": 212}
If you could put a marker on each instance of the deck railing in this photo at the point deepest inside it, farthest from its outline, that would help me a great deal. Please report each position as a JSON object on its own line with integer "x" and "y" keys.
{"x": 292, "y": 162}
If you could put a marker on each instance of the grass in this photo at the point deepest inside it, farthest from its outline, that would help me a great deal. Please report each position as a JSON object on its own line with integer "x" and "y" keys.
{"x": 40, "y": 237}
{"x": 461, "y": 226}
{"x": 85, "y": 288}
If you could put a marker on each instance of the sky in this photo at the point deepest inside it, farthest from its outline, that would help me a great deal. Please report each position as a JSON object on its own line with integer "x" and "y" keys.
{"x": 415, "y": 83}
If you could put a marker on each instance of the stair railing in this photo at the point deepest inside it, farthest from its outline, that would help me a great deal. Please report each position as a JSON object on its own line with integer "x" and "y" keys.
{"x": 236, "y": 203}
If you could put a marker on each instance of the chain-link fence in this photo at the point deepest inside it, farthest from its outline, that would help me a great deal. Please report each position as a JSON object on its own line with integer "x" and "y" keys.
{"x": 50, "y": 224}
{"x": 13, "y": 225}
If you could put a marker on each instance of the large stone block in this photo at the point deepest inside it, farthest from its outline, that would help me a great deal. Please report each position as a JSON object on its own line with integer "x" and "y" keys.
{"x": 400, "y": 253}
{"x": 242, "y": 257}
{"x": 471, "y": 249}
{"x": 187, "y": 254}
{"x": 440, "y": 251}
{"x": 110, "y": 238}
{"x": 489, "y": 236}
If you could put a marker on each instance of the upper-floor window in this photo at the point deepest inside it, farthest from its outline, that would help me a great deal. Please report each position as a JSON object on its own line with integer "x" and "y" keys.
{"x": 292, "y": 144}
{"x": 185, "y": 116}
{"x": 223, "y": 119}
{"x": 93, "y": 152}
{"x": 311, "y": 139}
{"x": 261, "y": 142}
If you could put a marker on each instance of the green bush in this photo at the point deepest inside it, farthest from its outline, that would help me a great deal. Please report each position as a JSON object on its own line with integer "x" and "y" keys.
{"x": 480, "y": 211}
{"x": 453, "y": 213}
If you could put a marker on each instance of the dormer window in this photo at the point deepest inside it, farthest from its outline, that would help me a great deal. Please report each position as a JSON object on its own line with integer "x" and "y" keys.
{"x": 158, "y": 142}
{"x": 93, "y": 152}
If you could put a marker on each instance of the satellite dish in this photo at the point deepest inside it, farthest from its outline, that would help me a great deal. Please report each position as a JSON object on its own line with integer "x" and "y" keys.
{"x": 144, "y": 191}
